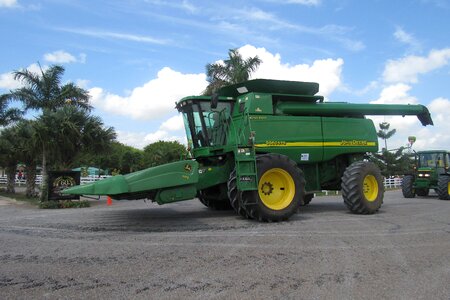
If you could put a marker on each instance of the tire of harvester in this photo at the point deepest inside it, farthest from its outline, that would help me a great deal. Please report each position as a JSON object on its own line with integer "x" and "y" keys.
{"x": 211, "y": 198}
{"x": 281, "y": 187}
{"x": 235, "y": 196}
{"x": 407, "y": 187}
{"x": 362, "y": 188}
{"x": 307, "y": 199}
{"x": 444, "y": 187}
{"x": 422, "y": 192}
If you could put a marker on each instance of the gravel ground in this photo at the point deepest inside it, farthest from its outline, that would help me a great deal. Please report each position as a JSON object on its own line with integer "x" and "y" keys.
{"x": 185, "y": 251}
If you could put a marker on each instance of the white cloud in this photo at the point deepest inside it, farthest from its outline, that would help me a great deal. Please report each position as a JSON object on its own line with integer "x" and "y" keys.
{"x": 8, "y": 82}
{"x": 327, "y": 72}
{"x": 301, "y": 2}
{"x": 406, "y": 38}
{"x": 396, "y": 94}
{"x": 305, "y": 2}
{"x": 429, "y": 137}
{"x": 141, "y": 139}
{"x": 8, "y": 3}
{"x": 408, "y": 68}
{"x": 63, "y": 57}
{"x": 82, "y": 83}
{"x": 155, "y": 99}
{"x": 173, "y": 124}
{"x": 115, "y": 35}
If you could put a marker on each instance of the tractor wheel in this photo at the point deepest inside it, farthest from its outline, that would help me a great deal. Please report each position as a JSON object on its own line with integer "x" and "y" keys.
{"x": 307, "y": 199}
{"x": 215, "y": 198}
{"x": 235, "y": 196}
{"x": 444, "y": 187}
{"x": 281, "y": 187}
{"x": 362, "y": 188}
{"x": 422, "y": 192}
{"x": 407, "y": 187}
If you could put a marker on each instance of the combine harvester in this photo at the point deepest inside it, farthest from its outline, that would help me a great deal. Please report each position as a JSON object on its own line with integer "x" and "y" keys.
{"x": 263, "y": 147}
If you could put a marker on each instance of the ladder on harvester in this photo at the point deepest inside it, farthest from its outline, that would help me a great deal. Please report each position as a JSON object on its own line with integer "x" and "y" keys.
{"x": 245, "y": 157}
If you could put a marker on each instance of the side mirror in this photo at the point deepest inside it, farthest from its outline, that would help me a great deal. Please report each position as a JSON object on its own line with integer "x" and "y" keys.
{"x": 214, "y": 100}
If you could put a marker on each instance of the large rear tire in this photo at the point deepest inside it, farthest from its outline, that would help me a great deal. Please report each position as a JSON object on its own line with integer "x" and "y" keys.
{"x": 407, "y": 186}
{"x": 362, "y": 188}
{"x": 281, "y": 188}
{"x": 444, "y": 187}
{"x": 215, "y": 198}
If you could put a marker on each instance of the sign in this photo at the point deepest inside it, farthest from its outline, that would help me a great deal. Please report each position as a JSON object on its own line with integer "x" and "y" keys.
{"x": 60, "y": 180}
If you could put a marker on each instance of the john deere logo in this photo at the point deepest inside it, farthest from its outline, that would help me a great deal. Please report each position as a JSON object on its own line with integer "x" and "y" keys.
{"x": 187, "y": 167}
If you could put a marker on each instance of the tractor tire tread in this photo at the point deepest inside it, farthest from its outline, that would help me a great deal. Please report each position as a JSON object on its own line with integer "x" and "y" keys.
{"x": 351, "y": 187}
{"x": 442, "y": 190}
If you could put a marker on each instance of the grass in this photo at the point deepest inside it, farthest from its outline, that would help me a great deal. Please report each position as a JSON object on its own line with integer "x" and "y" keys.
{"x": 20, "y": 196}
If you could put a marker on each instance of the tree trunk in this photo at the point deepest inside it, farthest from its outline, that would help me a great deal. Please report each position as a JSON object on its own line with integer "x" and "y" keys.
{"x": 11, "y": 175}
{"x": 44, "y": 185}
{"x": 31, "y": 180}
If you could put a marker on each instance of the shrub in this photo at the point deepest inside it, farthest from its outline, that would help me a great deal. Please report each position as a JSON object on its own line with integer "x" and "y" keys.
{"x": 64, "y": 204}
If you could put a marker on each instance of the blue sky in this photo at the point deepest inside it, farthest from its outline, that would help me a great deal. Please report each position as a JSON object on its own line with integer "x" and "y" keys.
{"x": 138, "y": 57}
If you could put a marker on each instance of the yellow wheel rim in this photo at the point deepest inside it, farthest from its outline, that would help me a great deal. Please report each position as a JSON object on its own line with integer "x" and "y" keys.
{"x": 448, "y": 188}
{"x": 370, "y": 188}
{"x": 276, "y": 189}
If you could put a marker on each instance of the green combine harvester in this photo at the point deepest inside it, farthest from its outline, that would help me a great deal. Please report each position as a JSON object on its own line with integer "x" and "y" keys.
{"x": 263, "y": 147}
{"x": 431, "y": 171}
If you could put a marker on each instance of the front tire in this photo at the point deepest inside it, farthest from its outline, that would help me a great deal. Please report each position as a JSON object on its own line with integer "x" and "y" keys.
{"x": 407, "y": 187}
{"x": 215, "y": 198}
{"x": 444, "y": 187}
{"x": 362, "y": 188}
{"x": 281, "y": 188}
{"x": 235, "y": 196}
{"x": 422, "y": 192}
{"x": 307, "y": 199}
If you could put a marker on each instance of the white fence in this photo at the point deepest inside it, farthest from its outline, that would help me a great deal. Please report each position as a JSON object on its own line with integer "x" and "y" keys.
{"x": 389, "y": 183}
{"x": 83, "y": 180}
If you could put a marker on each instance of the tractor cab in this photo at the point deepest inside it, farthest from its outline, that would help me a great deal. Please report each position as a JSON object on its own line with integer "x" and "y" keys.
{"x": 432, "y": 162}
{"x": 430, "y": 173}
{"x": 206, "y": 125}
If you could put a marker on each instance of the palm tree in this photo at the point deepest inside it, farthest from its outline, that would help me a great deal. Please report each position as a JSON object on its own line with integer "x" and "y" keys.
{"x": 233, "y": 70}
{"x": 9, "y": 156}
{"x": 75, "y": 132}
{"x": 44, "y": 92}
{"x": 27, "y": 147}
{"x": 8, "y": 114}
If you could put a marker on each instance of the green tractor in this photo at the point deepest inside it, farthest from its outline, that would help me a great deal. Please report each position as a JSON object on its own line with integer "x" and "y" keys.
{"x": 431, "y": 171}
{"x": 263, "y": 148}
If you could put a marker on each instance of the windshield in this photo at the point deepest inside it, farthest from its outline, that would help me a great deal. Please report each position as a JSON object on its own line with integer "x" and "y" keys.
{"x": 431, "y": 160}
{"x": 204, "y": 126}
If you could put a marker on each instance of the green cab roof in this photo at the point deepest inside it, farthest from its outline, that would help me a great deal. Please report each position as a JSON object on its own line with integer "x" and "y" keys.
{"x": 271, "y": 86}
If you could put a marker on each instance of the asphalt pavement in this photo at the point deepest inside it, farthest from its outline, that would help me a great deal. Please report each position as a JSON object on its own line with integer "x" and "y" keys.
{"x": 183, "y": 250}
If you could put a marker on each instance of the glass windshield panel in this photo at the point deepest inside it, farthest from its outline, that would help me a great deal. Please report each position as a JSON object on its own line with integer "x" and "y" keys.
{"x": 431, "y": 160}
{"x": 204, "y": 127}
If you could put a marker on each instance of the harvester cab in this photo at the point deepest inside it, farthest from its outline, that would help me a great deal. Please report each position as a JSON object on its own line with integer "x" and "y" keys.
{"x": 205, "y": 126}
{"x": 262, "y": 148}
{"x": 431, "y": 172}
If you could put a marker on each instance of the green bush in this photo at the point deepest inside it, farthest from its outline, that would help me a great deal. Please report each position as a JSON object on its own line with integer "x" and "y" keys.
{"x": 63, "y": 204}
